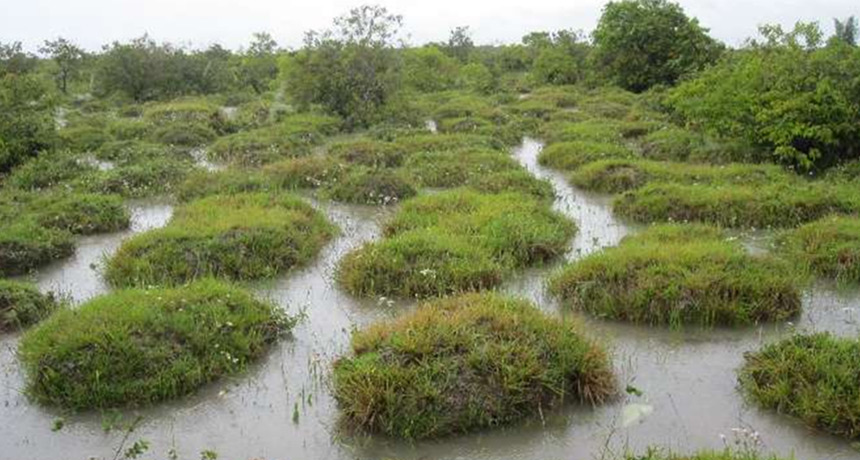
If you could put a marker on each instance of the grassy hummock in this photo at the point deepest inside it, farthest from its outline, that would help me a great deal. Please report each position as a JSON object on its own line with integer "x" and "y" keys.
{"x": 829, "y": 247}
{"x": 812, "y": 377}
{"x": 22, "y": 305}
{"x": 137, "y": 347}
{"x": 781, "y": 204}
{"x": 572, "y": 155}
{"x": 620, "y": 175}
{"x": 465, "y": 363}
{"x": 237, "y": 237}
{"x": 25, "y": 246}
{"x": 677, "y": 275}
{"x": 455, "y": 241}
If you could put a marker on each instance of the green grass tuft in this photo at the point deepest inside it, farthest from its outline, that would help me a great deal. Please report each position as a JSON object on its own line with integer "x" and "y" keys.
{"x": 677, "y": 275}
{"x": 138, "y": 347}
{"x": 22, "y": 305}
{"x": 829, "y": 247}
{"x": 572, "y": 155}
{"x": 466, "y": 363}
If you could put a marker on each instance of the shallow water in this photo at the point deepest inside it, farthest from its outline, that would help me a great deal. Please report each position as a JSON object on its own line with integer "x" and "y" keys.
{"x": 687, "y": 378}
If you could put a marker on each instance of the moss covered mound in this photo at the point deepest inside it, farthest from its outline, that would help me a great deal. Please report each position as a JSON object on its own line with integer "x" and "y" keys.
{"x": 306, "y": 172}
{"x": 22, "y": 305}
{"x": 201, "y": 183}
{"x": 466, "y": 363}
{"x": 678, "y": 275}
{"x": 236, "y": 237}
{"x": 812, "y": 377}
{"x": 25, "y": 246}
{"x": 829, "y": 247}
{"x": 572, "y": 155}
{"x": 620, "y": 175}
{"x": 372, "y": 186}
{"x": 366, "y": 152}
{"x": 782, "y": 204}
{"x": 455, "y": 241}
{"x": 137, "y": 347}
{"x": 452, "y": 168}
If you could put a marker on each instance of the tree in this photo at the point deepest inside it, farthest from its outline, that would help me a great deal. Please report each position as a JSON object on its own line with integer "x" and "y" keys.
{"x": 68, "y": 57}
{"x": 559, "y": 58}
{"x": 428, "y": 69}
{"x": 26, "y": 119}
{"x": 846, "y": 31}
{"x": 460, "y": 44}
{"x": 260, "y": 62}
{"x": 13, "y": 59}
{"x": 477, "y": 77}
{"x": 642, "y": 43}
{"x": 352, "y": 70}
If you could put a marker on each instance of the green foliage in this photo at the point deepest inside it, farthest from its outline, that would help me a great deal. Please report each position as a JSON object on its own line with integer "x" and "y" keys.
{"x": 68, "y": 57}
{"x": 781, "y": 204}
{"x": 679, "y": 275}
{"x": 139, "y": 347}
{"x": 428, "y": 69}
{"x": 308, "y": 172}
{"x": 465, "y": 363}
{"x": 22, "y": 305}
{"x": 236, "y": 237}
{"x": 477, "y": 77}
{"x": 48, "y": 170}
{"x": 26, "y": 120}
{"x": 202, "y": 183}
{"x": 25, "y": 245}
{"x": 371, "y": 186}
{"x": 455, "y": 241}
{"x": 829, "y": 247}
{"x": 643, "y": 43}
{"x": 786, "y": 95}
{"x": 352, "y": 71}
{"x": 811, "y": 377}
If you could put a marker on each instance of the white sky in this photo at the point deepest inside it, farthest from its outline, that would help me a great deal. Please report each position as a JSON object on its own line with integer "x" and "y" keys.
{"x": 92, "y": 23}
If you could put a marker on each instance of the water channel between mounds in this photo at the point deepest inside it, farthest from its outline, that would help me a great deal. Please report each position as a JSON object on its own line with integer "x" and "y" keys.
{"x": 687, "y": 379}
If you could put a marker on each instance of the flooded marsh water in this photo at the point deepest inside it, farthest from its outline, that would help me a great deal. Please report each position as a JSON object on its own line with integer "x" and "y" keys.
{"x": 282, "y": 408}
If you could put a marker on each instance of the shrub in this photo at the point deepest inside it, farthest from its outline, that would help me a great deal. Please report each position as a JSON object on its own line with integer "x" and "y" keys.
{"x": 371, "y": 186}
{"x": 829, "y": 247}
{"x": 466, "y": 363}
{"x": 680, "y": 275}
{"x": 138, "y": 347}
{"x": 22, "y": 305}
{"x": 572, "y": 155}
{"x": 236, "y": 237}
{"x": 811, "y": 377}
{"x": 614, "y": 176}
{"x": 774, "y": 205}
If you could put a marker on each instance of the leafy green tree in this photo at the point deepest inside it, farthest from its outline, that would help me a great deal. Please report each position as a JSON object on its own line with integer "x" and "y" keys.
{"x": 352, "y": 70}
{"x": 13, "y": 59}
{"x": 846, "y": 31}
{"x": 260, "y": 63}
{"x": 786, "y": 94}
{"x": 477, "y": 77}
{"x": 68, "y": 57}
{"x": 642, "y": 43}
{"x": 460, "y": 45}
{"x": 428, "y": 69}
{"x": 26, "y": 119}
{"x": 559, "y": 57}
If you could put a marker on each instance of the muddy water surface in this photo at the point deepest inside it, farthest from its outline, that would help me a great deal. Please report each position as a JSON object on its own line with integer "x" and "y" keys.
{"x": 282, "y": 409}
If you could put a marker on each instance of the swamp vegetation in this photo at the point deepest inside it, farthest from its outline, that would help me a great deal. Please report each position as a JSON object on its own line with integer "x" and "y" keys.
{"x": 371, "y": 249}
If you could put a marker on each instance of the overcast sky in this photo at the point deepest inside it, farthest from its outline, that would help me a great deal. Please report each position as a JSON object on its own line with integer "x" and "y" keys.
{"x": 92, "y": 23}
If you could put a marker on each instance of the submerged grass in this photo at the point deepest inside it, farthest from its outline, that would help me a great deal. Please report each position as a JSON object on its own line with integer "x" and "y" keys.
{"x": 677, "y": 275}
{"x": 465, "y": 363}
{"x": 138, "y": 347}
{"x": 811, "y": 377}
{"x": 455, "y": 241}
{"x": 235, "y": 237}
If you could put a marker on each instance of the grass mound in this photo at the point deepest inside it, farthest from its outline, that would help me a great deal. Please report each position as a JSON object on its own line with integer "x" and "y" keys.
{"x": 455, "y": 241}
{"x": 572, "y": 155}
{"x": 615, "y": 176}
{"x": 138, "y": 347}
{"x": 256, "y": 147}
{"x": 25, "y": 246}
{"x": 446, "y": 169}
{"x": 22, "y": 305}
{"x": 236, "y": 237}
{"x": 466, "y": 363}
{"x": 364, "y": 152}
{"x": 676, "y": 275}
{"x": 201, "y": 183}
{"x": 812, "y": 377}
{"x": 307, "y": 172}
{"x": 829, "y": 247}
{"x": 782, "y": 204}
{"x": 372, "y": 186}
